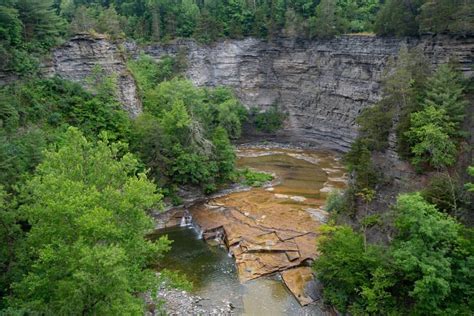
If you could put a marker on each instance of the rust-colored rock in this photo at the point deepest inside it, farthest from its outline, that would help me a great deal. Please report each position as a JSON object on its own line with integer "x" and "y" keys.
{"x": 264, "y": 238}
{"x": 273, "y": 230}
{"x": 296, "y": 280}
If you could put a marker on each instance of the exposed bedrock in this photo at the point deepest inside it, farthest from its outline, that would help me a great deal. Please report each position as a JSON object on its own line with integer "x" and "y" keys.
{"x": 322, "y": 84}
{"x": 77, "y": 59}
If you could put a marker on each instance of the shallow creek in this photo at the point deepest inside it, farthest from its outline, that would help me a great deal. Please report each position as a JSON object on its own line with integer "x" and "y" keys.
{"x": 262, "y": 232}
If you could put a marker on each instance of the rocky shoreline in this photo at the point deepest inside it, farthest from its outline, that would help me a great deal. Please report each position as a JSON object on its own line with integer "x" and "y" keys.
{"x": 182, "y": 303}
{"x": 254, "y": 235}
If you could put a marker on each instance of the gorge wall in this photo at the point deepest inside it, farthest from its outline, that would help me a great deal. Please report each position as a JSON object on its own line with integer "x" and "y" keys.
{"x": 322, "y": 84}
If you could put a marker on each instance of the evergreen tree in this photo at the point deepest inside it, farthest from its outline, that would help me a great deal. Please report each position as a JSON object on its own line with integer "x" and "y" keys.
{"x": 10, "y": 39}
{"x": 470, "y": 186}
{"x": 403, "y": 87}
{"x": 187, "y": 18}
{"x": 10, "y": 234}
{"x": 83, "y": 21}
{"x": 430, "y": 138}
{"x": 398, "y": 17}
{"x": 224, "y": 154}
{"x": 154, "y": 7}
{"x": 444, "y": 90}
{"x": 327, "y": 23}
{"x": 447, "y": 16}
{"x": 41, "y": 24}
{"x": 109, "y": 22}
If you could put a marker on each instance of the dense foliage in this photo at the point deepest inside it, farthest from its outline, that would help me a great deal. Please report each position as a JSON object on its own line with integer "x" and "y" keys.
{"x": 183, "y": 137}
{"x": 29, "y": 27}
{"x": 425, "y": 270}
{"x": 423, "y": 266}
{"x": 268, "y": 121}
{"x": 86, "y": 251}
{"x": 73, "y": 199}
{"x": 72, "y": 225}
{"x": 33, "y": 112}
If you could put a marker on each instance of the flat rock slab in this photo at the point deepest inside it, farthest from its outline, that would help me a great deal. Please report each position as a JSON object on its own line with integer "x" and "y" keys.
{"x": 264, "y": 233}
{"x": 297, "y": 280}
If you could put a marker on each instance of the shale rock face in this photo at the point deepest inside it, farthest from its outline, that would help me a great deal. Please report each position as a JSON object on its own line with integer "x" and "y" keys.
{"x": 322, "y": 84}
{"x": 77, "y": 59}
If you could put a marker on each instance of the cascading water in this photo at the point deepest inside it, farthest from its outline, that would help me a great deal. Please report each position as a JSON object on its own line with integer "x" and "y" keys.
{"x": 186, "y": 220}
{"x": 211, "y": 266}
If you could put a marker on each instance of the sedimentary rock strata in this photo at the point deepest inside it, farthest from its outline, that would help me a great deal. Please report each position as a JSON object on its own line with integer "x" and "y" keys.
{"x": 322, "y": 84}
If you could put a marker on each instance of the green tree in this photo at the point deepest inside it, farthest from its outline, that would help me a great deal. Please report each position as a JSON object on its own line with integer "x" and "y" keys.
{"x": 447, "y": 16}
{"x": 446, "y": 193}
{"x": 470, "y": 186}
{"x": 10, "y": 234}
{"x": 154, "y": 6}
{"x": 344, "y": 266}
{"x": 359, "y": 162}
{"x": 41, "y": 25}
{"x": 187, "y": 19}
{"x": 83, "y": 20}
{"x": 444, "y": 90}
{"x": 404, "y": 87}
{"x": 398, "y": 17}
{"x": 208, "y": 28}
{"x": 109, "y": 22}
{"x": 224, "y": 154}
{"x": 432, "y": 258}
{"x": 14, "y": 56}
{"x": 375, "y": 124}
{"x": 327, "y": 23}
{"x": 425, "y": 270}
{"x": 86, "y": 251}
{"x": 430, "y": 138}
{"x": 358, "y": 15}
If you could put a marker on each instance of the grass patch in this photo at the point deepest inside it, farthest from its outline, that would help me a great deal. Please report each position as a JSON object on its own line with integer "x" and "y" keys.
{"x": 254, "y": 178}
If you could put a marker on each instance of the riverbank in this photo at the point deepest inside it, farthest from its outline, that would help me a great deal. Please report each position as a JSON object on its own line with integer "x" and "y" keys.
{"x": 270, "y": 230}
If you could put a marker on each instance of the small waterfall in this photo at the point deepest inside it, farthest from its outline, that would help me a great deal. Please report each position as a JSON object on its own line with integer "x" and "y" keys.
{"x": 186, "y": 220}
{"x": 183, "y": 221}
{"x": 197, "y": 229}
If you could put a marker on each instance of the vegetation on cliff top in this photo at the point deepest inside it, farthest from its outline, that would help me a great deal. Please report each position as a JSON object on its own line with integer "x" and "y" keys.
{"x": 28, "y": 28}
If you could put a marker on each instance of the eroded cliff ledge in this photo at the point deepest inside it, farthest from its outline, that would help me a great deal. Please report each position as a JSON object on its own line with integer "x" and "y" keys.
{"x": 322, "y": 84}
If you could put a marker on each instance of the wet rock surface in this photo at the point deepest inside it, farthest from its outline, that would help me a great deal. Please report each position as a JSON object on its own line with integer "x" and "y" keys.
{"x": 273, "y": 229}
{"x": 300, "y": 281}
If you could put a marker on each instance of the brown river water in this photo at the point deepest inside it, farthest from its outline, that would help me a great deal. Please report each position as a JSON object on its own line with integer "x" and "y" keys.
{"x": 289, "y": 211}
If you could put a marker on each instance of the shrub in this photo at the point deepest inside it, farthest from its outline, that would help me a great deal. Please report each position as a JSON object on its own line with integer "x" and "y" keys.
{"x": 269, "y": 121}
{"x": 255, "y": 178}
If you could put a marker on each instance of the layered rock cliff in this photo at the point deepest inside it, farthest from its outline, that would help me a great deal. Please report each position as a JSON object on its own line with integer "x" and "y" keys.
{"x": 323, "y": 84}
{"x": 77, "y": 59}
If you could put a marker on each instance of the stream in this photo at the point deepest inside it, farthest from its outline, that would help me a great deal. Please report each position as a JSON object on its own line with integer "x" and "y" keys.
{"x": 304, "y": 180}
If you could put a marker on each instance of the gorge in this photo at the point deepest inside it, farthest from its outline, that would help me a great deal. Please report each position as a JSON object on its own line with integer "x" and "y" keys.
{"x": 236, "y": 157}
{"x": 322, "y": 84}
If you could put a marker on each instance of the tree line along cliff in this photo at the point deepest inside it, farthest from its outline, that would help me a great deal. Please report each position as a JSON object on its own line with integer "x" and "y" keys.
{"x": 29, "y": 28}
